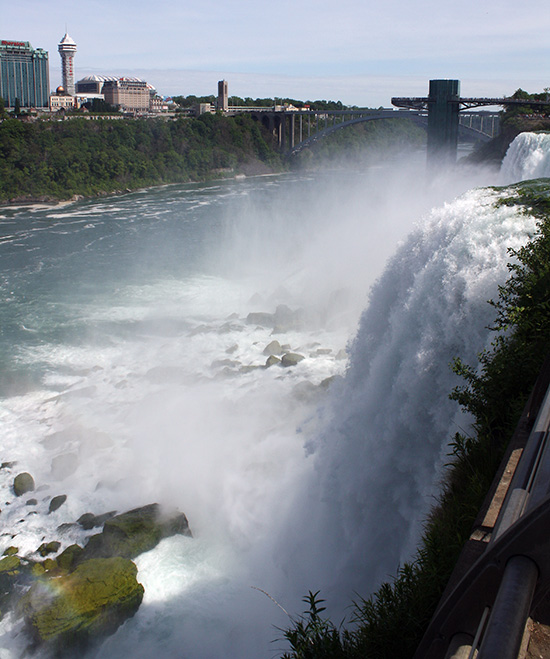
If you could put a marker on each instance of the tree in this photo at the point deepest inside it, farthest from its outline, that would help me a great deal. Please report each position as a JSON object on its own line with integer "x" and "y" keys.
{"x": 17, "y": 108}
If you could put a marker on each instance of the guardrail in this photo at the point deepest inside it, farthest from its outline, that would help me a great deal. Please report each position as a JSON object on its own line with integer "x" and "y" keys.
{"x": 485, "y": 613}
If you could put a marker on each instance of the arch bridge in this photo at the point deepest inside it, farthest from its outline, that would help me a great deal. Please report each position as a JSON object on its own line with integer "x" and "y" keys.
{"x": 446, "y": 116}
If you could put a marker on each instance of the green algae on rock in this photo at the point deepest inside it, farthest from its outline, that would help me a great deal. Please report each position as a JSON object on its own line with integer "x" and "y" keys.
{"x": 72, "y": 611}
{"x": 134, "y": 532}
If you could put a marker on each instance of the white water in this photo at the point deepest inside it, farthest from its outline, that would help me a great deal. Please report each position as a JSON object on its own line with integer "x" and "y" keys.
{"x": 528, "y": 157}
{"x": 287, "y": 489}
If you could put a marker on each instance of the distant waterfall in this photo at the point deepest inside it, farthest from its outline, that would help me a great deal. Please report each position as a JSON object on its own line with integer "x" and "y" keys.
{"x": 528, "y": 157}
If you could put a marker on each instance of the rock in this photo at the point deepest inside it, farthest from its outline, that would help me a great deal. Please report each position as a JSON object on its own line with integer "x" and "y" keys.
{"x": 57, "y": 502}
{"x": 272, "y": 361}
{"x": 341, "y": 354}
{"x": 11, "y": 551}
{"x": 291, "y": 359}
{"x": 261, "y": 318}
{"x": 86, "y": 605}
{"x": 10, "y": 564}
{"x": 49, "y": 564}
{"x": 273, "y": 348}
{"x": 248, "y": 368}
{"x": 31, "y": 502}
{"x": 88, "y": 520}
{"x": 284, "y": 318}
{"x": 10, "y": 575}
{"x": 68, "y": 557}
{"x": 48, "y": 548}
{"x": 23, "y": 483}
{"x": 134, "y": 532}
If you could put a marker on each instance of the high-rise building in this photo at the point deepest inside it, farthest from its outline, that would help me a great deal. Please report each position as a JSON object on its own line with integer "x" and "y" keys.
{"x": 67, "y": 50}
{"x": 223, "y": 98}
{"x": 24, "y": 75}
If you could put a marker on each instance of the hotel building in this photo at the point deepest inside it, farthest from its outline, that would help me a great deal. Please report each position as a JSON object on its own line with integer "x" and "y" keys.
{"x": 24, "y": 75}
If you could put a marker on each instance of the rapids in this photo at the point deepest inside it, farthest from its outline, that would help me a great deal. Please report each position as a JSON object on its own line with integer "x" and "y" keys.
{"x": 131, "y": 375}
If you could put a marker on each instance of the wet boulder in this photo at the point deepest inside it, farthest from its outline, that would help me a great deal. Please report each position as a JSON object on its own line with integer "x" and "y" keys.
{"x": 273, "y": 348}
{"x": 88, "y": 520}
{"x": 10, "y": 574}
{"x": 85, "y": 606}
{"x": 272, "y": 360}
{"x": 68, "y": 558}
{"x": 57, "y": 502}
{"x": 291, "y": 359}
{"x": 23, "y": 483}
{"x": 48, "y": 548}
{"x": 261, "y": 318}
{"x": 134, "y": 532}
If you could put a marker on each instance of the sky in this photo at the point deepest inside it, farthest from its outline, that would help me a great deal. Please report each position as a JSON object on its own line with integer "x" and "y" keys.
{"x": 361, "y": 52}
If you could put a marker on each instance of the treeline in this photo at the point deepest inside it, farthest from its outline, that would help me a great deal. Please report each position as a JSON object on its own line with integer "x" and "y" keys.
{"x": 392, "y": 621}
{"x": 191, "y": 101}
{"x": 515, "y": 119}
{"x": 362, "y": 143}
{"x": 60, "y": 159}
{"x": 527, "y": 110}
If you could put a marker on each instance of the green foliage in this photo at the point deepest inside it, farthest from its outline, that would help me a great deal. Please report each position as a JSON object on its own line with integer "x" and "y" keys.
{"x": 314, "y": 637}
{"x": 59, "y": 159}
{"x": 512, "y": 112}
{"x": 361, "y": 143}
{"x": 192, "y": 100}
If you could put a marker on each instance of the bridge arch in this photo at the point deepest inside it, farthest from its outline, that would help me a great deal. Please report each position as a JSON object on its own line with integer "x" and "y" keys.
{"x": 465, "y": 132}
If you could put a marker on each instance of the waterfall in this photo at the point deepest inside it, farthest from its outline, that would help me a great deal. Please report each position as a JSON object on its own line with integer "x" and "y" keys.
{"x": 380, "y": 458}
{"x": 528, "y": 157}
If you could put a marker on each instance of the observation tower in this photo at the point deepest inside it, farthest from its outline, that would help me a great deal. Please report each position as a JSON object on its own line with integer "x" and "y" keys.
{"x": 67, "y": 50}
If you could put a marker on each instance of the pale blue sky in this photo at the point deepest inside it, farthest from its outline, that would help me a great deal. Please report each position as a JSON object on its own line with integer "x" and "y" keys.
{"x": 358, "y": 52}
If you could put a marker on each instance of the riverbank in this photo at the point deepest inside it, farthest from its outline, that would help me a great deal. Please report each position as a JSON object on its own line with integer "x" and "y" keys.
{"x": 46, "y": 162}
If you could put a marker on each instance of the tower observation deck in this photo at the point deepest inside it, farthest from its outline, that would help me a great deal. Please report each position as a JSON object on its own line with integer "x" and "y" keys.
{"x": 67, "y": 50}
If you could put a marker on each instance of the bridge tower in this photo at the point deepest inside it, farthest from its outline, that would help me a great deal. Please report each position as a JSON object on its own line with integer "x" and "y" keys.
{"x": 443, "y": 108}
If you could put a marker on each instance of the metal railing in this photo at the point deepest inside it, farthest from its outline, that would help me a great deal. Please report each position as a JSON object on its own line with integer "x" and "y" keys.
{"x": 485, "y": 614}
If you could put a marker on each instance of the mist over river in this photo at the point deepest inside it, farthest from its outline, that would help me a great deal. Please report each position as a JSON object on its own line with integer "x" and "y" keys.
{"x": 132, "y": 373}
